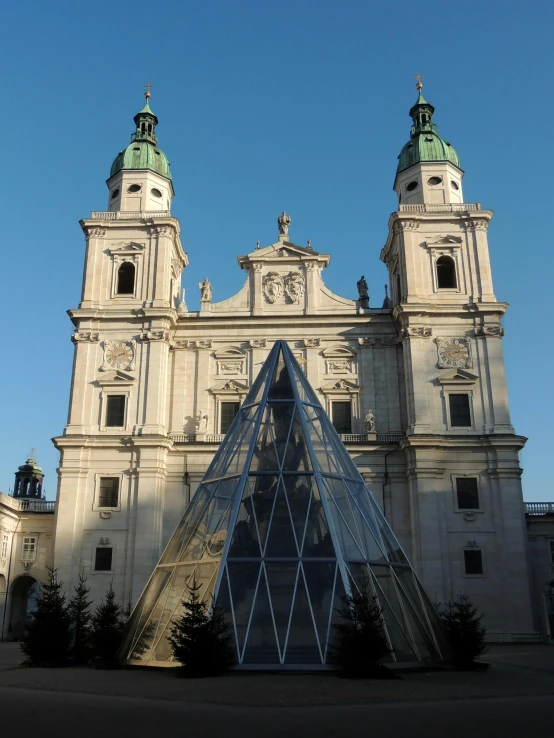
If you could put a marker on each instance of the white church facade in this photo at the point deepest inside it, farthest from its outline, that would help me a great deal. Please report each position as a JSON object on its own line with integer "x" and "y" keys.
{"x": 416, "y": 388}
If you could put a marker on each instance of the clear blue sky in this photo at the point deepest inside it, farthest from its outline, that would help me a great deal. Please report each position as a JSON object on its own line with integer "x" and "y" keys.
{"x": 263, "y": 106}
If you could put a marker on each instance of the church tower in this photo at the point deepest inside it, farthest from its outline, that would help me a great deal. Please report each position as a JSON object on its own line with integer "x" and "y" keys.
{"x": 114, "y": 446}
{"x": 28, "y": 480}
{"x": 461, "y": 449}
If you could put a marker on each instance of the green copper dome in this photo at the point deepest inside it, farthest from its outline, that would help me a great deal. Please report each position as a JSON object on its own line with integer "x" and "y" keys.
{"x": 143, "y": 152}
{"x": 425, "y": 143}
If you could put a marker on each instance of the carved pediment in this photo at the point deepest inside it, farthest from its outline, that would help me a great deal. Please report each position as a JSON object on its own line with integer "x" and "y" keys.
{"x": 125, "y": 248}
{"x": 230, "y": 387}
{"x": 341, "y": 386}
{"x": 115, "y": 378}
{"x": 338, "y": 352}
{"x": 458, "y": 377}
{"x": 449, "y": 241}
{"x": 229, "y": 352}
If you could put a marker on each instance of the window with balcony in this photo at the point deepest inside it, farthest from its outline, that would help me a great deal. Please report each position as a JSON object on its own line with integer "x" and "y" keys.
{"x": 341, "y": 416}
{"x": 115, "y": 411}
{"x": 473, "y": 562}
{"x": 103, "y": 558}
{"x": 108, "y": 495}
{"x": 29, "y": 549}
{"x": 228, "y": 410}
{"x": 467, "y": 493}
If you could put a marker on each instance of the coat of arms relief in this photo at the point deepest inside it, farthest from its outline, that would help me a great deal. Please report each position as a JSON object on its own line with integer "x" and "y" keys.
{"x": 291, "y": 287}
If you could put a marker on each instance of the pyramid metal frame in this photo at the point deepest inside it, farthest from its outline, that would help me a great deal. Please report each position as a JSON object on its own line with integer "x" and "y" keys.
{"x": 276, "y": 545}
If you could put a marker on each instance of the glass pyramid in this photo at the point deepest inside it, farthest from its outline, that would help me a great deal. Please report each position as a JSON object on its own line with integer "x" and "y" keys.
{"x": 281, "y": 526}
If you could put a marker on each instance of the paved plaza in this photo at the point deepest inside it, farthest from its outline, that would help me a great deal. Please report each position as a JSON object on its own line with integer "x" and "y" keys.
{"x": 514, "y": 697}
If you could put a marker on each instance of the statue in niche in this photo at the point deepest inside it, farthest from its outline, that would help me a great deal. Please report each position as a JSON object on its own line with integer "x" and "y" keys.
{"x": 201, "y": 422}
{"x": 284, "y": 221}
{"x": 370, "y": 424}
{"x": 363, "y": 294}
{"x": 205, "y": 291}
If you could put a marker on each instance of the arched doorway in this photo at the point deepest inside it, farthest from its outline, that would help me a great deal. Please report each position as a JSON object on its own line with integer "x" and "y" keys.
{"x": 24, "y": 594}
{"x": 549, "y": 604}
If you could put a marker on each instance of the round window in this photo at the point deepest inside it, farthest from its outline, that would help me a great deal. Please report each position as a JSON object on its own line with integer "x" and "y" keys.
{"x": 115, "y": 193}
{"x": 134, "y": 188}
{"x": 412, "y": 185}
{"x": 454, "y": 185}
{"x": 155, "y": 192}
{"x": 434, "y": 180}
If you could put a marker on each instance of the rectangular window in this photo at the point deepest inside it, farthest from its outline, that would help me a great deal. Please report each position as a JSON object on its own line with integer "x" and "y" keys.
{"x": 342, "y": 416}
{"x": 460, "y": 415}
{"x": 228, "y": 412}
{"x": 108, "y": 495}
{"x": 4, "y": 551}
{"x": 467, "y": 493}
{"x": 29, "y": 549}
{"x": 115, "y": 411}
{"x": 473, "y": 561}
{"x": 103, "y": 559}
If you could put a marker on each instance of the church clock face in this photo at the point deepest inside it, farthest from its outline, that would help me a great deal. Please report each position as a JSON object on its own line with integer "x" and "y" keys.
{"x": 453, "y": 352}
{"x": 119, "y": 355}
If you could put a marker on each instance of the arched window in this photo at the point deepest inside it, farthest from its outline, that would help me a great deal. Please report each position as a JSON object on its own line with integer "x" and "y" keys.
{"x": 126, "y": 279}
{"x": 446, "y": 273}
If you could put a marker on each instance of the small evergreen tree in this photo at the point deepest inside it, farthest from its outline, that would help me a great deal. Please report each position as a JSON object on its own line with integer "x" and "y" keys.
{"x": 107, "y": 629}
{"x": 360, "y": 641}
{"x": 466, "y": 635}
{"x": 201, "y": 642}
{"x": 47, "y": 637}
{"x": 79, "y": 613}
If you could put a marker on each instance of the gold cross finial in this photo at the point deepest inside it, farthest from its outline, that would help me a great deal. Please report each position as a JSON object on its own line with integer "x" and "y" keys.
{"x": 148, "y": 86}
{"x": 419, "y": 77}
{"x": 32, "y": 454}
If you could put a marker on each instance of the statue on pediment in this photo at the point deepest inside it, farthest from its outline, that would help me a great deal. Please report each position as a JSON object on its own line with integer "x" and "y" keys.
{"x": 205, "y": 291}
{"x": 284, "y": 221}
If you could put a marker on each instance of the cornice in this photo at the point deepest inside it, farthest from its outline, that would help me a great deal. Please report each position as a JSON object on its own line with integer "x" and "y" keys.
{"x": 432, "y": 310}
{"x": 108, "y": 441}
{"x": 434, "y": 441}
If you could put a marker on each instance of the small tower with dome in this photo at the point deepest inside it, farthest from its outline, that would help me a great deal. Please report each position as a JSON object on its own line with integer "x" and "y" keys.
{"x": 428, "y": 169}
{"x": 28, "y": 480}
{"x": 139, "y": 176}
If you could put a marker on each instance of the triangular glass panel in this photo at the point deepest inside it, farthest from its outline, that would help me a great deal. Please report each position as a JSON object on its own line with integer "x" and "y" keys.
{"x": 243, "y": 581}
{"x": 283, "y": 525}
{"x": 281, "y": 541}
{"x": 281, "y": 578}
{"x": 302, "y": 641}
{"x": 261, "y": 643}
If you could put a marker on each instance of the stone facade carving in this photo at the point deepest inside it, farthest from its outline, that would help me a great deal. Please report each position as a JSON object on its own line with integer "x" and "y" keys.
{"x": 363, "y": 294}
{"x": 257, "y": 266}
{"x": 95, "y": 232}
{"x": 179, "y": 344}
{"x": 273, "y": 287}
{"x": 119, "y": 355}
{"x": 205, "y": 290}
{"x": 203, "y": 344}
{"x": 201, "y": 421}
{"x": 489, "y": 330}
{"x": 339, "y": 366}
{"x": 475, "y": 225}
{"x": 283, "y": 222}
{"x": 228, "y": 367}
{"x": 414, "y": 331}
{"x": 154, "y": 336}
{"x": 367, "y": 341}
{"x": 453, "y": 352}
{"x": 161, "y": 231}
{"x": 311, "y": 342}
{"x": 369, "y": 420}
{"x": 390, "y": 340}
{"x": 85, "y": 337}
{"x": 257, "y": 342}
{"x": 295, "y": 286}
{"x": 405, "y": 225}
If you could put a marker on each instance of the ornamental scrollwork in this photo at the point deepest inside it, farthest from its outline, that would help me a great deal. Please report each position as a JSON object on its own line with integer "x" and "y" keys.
{"x": 154, "y": 336}
{"x": 311, "y": 342}
{"x": 366, "y": 341}
{"x": 95, "y": 232}
{"x": 273, "y": 287}
{"x": 475, "y": 225}
{"x": 416, "y": 332}
{"x": 257, "y": 342}
{"x": 161, "y": 231}
{"x": 390, "y": 340}
{"x": 489, "y": 330}
{"x": 85, "y": 337}
{"x": 295, "y": 286}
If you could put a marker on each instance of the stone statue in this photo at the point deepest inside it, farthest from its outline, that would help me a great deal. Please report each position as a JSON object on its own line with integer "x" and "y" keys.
{"x": 205, "y": 291}
{"x": 370, "y": 420}
{"x": 201, "y": 422}
{"x": 363, "y": 294}
{"x": 284, "y": 221}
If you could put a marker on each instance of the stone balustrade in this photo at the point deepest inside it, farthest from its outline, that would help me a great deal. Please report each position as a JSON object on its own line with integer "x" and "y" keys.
{"x": 461, "y": 207}
{"x": 539, "y": 508}
{"x": 394, "y": 437}
{"x": 41, "y": 506}
{"x": 121, "y": 215}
